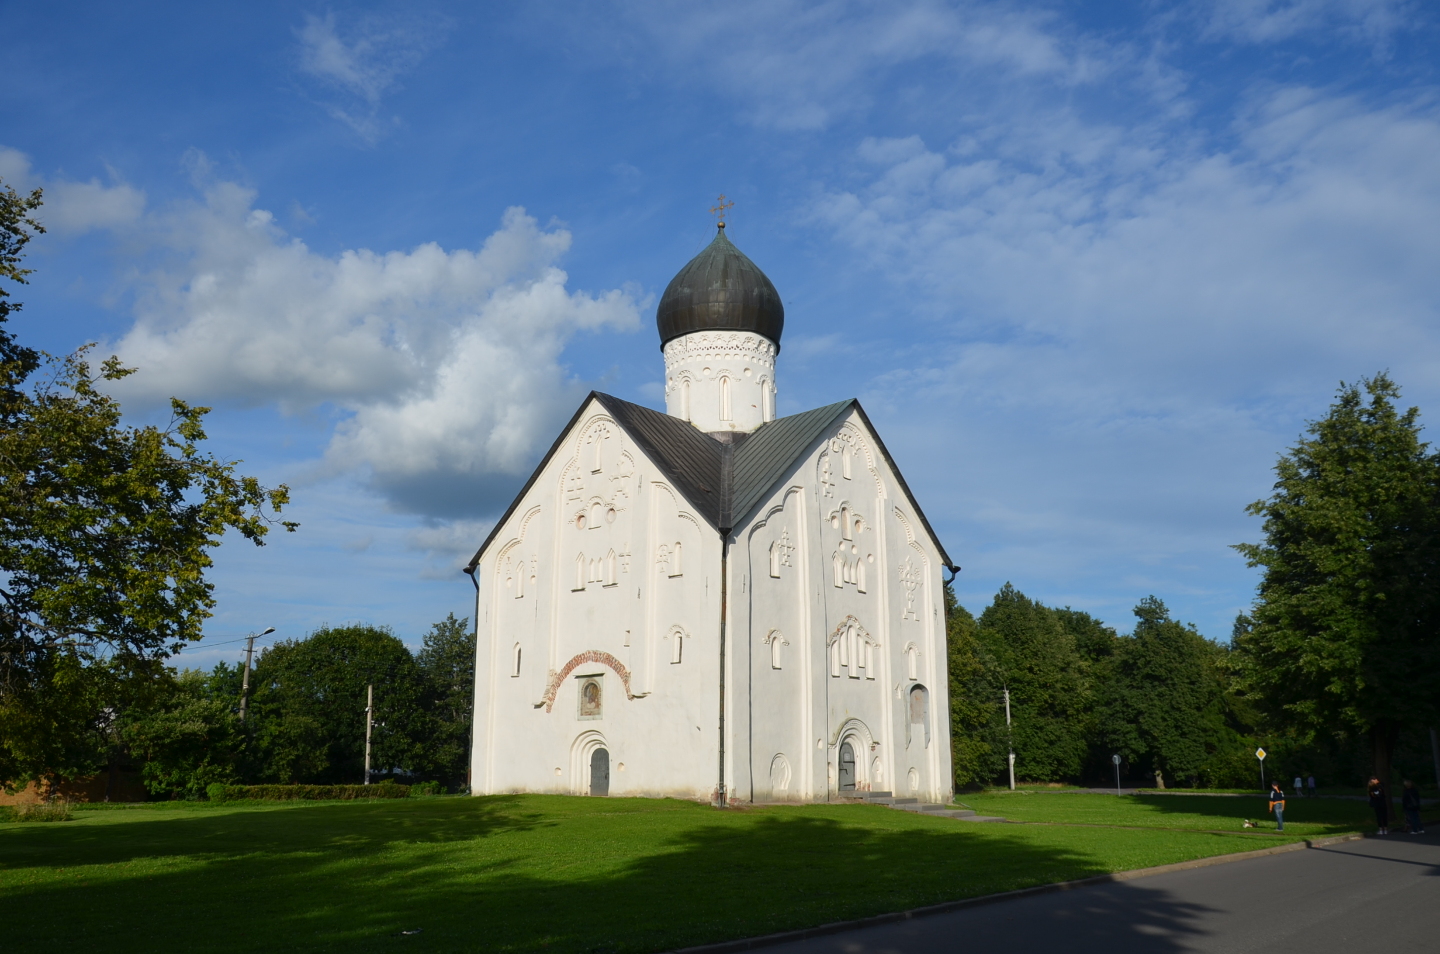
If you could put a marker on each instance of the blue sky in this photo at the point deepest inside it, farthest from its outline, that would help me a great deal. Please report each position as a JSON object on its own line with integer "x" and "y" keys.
{"x": 1089, "y": 267}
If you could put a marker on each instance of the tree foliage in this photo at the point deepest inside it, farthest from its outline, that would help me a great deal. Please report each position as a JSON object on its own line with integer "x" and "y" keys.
{"x": 447, "y": 664}
{"x": 1162, "y": 702}
{"x": 1344, "y": 629}
{"x": 1028, "y": 650}
{"x": 308, "y": 705}
{"x": 105, "y": 537}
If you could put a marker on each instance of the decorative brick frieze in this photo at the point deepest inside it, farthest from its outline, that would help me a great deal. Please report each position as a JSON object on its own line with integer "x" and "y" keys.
{"x": 552, "y": 687}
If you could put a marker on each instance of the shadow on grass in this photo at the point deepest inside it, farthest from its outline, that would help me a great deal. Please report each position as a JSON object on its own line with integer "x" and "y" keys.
{"x": 510, "y": 874}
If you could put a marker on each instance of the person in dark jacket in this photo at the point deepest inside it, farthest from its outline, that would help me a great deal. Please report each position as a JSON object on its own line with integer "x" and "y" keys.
{"x": 1277, "y": 805}
{"x": 1380, "y": 804}
{"x": 1410, "y": 804}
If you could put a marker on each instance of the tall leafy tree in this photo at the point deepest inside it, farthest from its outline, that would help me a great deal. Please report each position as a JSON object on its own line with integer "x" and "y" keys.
{"x": 1028, "y": 650}
{"x": 1163, "y": 705}
{"x": 1345, "y": 630}
{"x": 971, "y": 701}
{"x": 105, "y": 537}
{"x": 447, "y": 664}
{"x": 308, "y": 706}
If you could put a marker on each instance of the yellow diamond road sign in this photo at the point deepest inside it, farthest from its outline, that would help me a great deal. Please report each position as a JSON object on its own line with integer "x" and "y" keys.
{"x": 1260, "y": 754}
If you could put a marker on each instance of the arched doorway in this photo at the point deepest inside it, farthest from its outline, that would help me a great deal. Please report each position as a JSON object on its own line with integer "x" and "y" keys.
{"x": 847, "y": 767}
{"x": 600, "y": 772}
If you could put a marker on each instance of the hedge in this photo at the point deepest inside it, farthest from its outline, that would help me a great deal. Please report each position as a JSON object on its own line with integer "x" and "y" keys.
{"x": 229, "y": 793}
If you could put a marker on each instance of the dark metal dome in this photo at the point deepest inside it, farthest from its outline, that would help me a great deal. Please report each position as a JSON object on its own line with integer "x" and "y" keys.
{"x": 720, "y": 290}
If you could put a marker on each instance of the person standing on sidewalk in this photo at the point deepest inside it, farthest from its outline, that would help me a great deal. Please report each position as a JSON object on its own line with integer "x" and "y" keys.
{"x": 1378, "y": 803}
{"x": 1311, "y": 779}
{"x": 1299, "y": 786}
{"x": 1410, "y": 805}
{"x": 1277, "y": 805}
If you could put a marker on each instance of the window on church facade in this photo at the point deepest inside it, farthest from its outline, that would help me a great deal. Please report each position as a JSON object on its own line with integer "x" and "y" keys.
{"x": 724, "y": 399}
{"x": 775, "y": 643}
{"x": 515, "y": 671}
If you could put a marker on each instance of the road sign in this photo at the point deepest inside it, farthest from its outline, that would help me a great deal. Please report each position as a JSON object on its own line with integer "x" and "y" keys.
{"x": 1260, "y": 754}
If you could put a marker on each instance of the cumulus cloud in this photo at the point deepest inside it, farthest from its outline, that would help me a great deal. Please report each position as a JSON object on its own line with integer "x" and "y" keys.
{"x": 356, "y": 64}
{"x": 445, "y": 364}
{"x": 74, "y": 207}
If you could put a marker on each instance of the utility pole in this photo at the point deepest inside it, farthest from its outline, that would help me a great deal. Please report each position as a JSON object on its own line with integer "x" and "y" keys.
{"x": 1011, "y": 734}
{"x": 1116, "y": 760}
{"x": 245, "y": 683}
{"x": 369, "y": 719}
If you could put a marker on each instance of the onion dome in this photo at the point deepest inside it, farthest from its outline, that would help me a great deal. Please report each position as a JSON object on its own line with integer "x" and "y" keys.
{"x": 720, "y": 290}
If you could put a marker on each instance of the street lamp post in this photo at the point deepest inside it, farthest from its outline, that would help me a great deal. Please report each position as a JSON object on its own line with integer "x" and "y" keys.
{"x": 1011, "y": 734}
{"x": 245, "y": 683}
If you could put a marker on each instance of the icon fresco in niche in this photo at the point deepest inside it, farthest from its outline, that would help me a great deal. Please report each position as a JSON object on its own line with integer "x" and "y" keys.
{"x": 591, "y": 696}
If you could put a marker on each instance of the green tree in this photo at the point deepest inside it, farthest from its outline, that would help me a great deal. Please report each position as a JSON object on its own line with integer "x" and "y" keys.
{"x": 1163, "y": 696}
{"x": 447, "y": 664}
{"x": 105, "y": 533}
{"x": 1027, "y": 649}
{"x": 187, "y": 740}
{"x": 17, "y": 227}
{"x": 1345, "y": 624}
{"x": 971, "y": 707}
{"x": 308, "y": 706}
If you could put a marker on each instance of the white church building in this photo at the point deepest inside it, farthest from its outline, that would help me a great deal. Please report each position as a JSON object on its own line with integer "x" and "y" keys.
{"x": 713, "y": 603}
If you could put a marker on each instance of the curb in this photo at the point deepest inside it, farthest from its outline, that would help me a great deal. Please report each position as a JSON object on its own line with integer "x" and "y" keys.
{"x": 945, "y": 907}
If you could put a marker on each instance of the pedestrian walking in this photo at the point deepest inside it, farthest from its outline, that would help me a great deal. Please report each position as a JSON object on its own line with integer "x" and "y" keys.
{"x": 1410, "y": 805}
{"x": 1380, "y": 805}
{"x": 1277, "y": 805}
{"x": 1311, "y": 781}
{"x": 1299, "y": 786}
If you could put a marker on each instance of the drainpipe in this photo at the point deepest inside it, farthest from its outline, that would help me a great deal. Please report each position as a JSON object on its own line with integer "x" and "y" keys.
{"x": 724, "y": 610}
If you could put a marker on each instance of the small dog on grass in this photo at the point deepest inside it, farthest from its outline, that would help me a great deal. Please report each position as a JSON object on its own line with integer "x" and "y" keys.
{"x": 1250, "y": 824}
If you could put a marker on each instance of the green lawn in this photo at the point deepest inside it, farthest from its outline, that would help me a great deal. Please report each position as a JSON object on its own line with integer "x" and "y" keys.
{"x": 523, "y": 873}
{"x": 1306, "y": 817}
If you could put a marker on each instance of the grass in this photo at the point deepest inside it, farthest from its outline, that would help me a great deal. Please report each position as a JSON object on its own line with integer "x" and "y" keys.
{"x": 531, "y": 873}
{"x": 1307, "y": 818}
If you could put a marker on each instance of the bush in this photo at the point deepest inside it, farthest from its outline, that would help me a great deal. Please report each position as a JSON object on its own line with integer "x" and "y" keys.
{"x": 427, "y": 788}
{"x": 282, "y": 793}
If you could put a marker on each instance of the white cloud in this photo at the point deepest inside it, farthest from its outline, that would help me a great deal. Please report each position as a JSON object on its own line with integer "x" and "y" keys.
{"x": 799, "y": 65}
{"x": 1270, "y": 21}
{"x": 1311, "y": 242}
{"x": 70, "y": 206}
{"x": 445, "y": 363}
{"x": 358, "y": 65}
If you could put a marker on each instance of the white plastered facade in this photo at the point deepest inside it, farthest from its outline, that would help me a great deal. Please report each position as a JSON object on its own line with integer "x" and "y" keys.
{"x": 604, "y": 573}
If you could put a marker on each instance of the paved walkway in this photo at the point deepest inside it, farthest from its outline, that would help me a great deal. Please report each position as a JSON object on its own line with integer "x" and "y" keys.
{"x": 1376, "y": 895}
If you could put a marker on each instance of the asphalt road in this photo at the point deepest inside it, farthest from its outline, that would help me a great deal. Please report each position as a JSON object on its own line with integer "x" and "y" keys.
{"x": 1357, "y": 897}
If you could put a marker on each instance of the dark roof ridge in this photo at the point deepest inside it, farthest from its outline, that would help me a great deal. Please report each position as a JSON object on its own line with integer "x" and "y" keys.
{"x": 723, "y": 480}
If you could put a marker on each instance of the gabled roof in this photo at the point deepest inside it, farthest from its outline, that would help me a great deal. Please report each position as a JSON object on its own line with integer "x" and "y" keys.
{"x": 723, "y": 481}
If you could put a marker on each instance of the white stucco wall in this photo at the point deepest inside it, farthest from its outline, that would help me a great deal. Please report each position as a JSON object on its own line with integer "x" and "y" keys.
{"x": 589, "y": 536}
{"x": 889, "y": 599}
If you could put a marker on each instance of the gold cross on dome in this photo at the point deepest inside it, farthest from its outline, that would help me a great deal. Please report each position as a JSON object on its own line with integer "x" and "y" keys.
{"x": 720, "y": 207}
